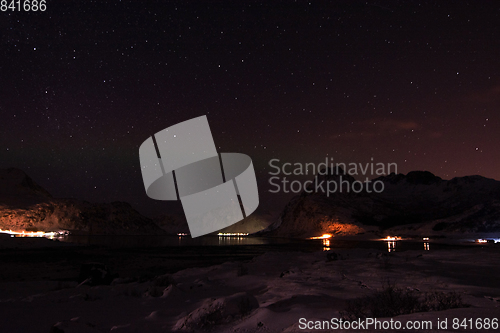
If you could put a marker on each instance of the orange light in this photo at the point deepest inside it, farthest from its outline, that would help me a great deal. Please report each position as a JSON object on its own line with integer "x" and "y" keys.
{"x": 32, "y": 233}
{"x": 324, "y": 236}
{"x": 392, "y": 238}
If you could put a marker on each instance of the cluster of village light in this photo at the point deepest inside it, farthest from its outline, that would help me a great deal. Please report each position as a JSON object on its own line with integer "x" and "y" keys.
{"x": 482, "y": 241}
{"x": 326, "y": 241}
{"x": 50, "y": 234}
{"x": 392, "y": 238}
{"x": 232, "y": 234}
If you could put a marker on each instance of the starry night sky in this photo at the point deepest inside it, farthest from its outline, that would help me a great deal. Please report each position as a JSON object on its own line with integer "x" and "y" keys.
{"x": 84, "y": 83}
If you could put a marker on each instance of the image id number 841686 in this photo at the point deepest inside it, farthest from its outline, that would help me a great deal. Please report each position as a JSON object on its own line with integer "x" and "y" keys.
{"x": 23, "y": 5}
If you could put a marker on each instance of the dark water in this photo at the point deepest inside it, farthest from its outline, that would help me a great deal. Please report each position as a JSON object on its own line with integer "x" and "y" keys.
{"x": 162, "y": 241}
{"x": 187, "y": 241}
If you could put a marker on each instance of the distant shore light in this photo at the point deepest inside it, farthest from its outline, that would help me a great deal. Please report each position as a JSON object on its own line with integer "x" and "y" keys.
{"x": 230, "y": 234}
{"x": 324, "y": 236}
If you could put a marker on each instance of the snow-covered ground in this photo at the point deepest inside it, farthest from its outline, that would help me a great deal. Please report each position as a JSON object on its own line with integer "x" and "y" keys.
{"x": 269, "y": 293}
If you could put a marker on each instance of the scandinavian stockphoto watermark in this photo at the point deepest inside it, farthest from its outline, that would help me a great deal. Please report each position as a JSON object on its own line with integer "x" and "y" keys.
{"x": 182, "y": 163}
{"x": 282, "y": 175}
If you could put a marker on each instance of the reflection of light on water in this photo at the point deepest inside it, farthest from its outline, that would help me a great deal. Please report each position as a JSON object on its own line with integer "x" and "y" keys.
{"x": 181, "y": 234}
{"x": 326, "y": 244}
{"x": 391, "y": 242}
{"x": 326, "y": 241}
{"x": 226, "y": 240}
{"x": 391, "y": 246}
{"x": 230, "y": 240}
{"x": 426, "y": 247}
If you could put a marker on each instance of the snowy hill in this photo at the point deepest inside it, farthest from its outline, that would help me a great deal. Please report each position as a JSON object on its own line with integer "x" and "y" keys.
{"x": 26, "y": 206}
{"x": 418, "y": 202}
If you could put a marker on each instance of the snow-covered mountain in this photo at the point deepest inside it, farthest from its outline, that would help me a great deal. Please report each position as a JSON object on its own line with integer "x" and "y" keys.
{"x": 417, "y": 203}
{"x": 24, "y": 205}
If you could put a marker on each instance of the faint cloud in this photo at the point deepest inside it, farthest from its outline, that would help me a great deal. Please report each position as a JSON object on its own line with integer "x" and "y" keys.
{"x": 374, "y": 128}
{"x": 395, "y": 125}
{"x": 491, "y": 94}
{"x": 435, "y": 135}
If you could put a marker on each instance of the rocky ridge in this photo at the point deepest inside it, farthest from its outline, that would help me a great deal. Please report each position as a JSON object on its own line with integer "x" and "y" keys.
{"x": 418, "y": 202}
{"x": 26, "y": 206}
